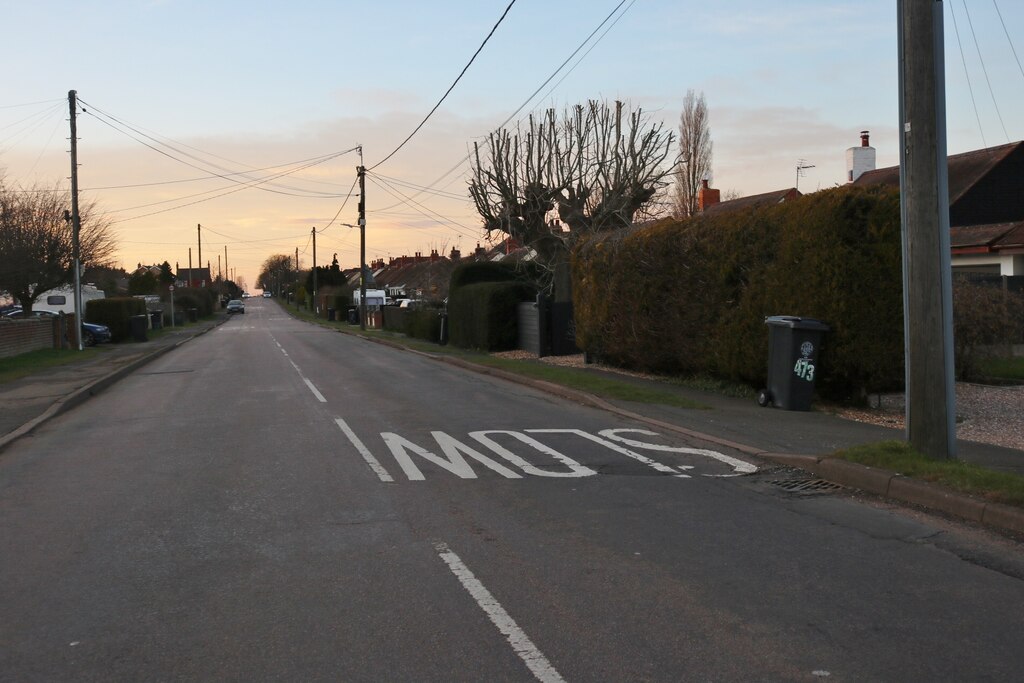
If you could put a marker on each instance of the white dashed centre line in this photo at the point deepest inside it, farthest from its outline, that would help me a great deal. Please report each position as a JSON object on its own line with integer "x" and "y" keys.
{"x": 534, "y": 659}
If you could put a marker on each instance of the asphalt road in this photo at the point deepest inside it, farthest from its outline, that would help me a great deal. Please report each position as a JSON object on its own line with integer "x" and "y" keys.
{"x": 275, "y": 501}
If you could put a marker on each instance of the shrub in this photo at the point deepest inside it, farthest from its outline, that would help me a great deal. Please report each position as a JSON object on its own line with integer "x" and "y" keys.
{"x": 691, "y": 296}
{"x": 984, "y": 317}
{"x": 115, "y": 314}
{"x": 203, "y": 299}
{"x": 475, "y": 272}
{"x": 483, "y": 315}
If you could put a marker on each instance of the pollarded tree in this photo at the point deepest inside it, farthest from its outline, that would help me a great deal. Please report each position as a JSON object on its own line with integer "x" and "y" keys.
{"x": 36, "y": 251}
{"x": 552, "y": 180}
{"x": 694, "y": 154}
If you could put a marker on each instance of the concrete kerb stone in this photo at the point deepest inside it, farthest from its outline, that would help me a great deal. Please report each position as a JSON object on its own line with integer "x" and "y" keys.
{"x": 93, "y": 388}
{"x": 936, "y": 497}
{"x": 853, "y": 475}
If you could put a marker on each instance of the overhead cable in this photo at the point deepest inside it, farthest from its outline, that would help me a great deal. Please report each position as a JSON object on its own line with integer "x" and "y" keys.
{"x": 450, "y": 88}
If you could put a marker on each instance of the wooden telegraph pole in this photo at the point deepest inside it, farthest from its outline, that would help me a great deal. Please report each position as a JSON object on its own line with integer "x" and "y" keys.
{"x": 924, "y": 192}
{"x": 76, "y": 219}
{"x": 361, "y": 171}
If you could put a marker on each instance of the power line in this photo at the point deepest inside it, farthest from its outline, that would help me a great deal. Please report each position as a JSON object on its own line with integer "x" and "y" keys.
{"x": 458, "y": 227}
{"x": 1008, "y": 39}
{"x": 110, "y": 121}
{"x": 534, "y": 94}
{"x": 967, "y": 75}
{"x": 984, "y": 70}
{"x": 238, "y": 189}
{"x": 450, "y": 88}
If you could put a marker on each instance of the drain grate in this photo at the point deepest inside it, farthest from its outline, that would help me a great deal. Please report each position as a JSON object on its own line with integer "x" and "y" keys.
{"x": 806, "y": 485}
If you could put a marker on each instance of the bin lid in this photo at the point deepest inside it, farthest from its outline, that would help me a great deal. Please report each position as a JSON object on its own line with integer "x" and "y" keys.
{"x": 796, "y": 322}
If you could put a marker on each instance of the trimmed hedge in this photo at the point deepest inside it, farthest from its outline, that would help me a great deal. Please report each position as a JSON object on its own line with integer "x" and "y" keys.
{"x": 475, "y": 272}
{"x": 203, "y": 299}
{"x": 483, "y": 315}
{"x": 691, "y": 296}
{"x": 420, "y": 323}
{"x": 115, "y": 313}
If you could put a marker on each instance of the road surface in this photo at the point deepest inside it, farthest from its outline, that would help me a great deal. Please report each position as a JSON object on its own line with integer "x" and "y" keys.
{"x": 277, "y": 501}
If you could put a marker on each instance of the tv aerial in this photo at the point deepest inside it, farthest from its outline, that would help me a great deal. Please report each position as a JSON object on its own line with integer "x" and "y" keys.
{"x": 801, "y": 165}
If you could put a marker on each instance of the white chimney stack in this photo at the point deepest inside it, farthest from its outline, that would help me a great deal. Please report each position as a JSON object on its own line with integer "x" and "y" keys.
{"x": 860, "y": 159}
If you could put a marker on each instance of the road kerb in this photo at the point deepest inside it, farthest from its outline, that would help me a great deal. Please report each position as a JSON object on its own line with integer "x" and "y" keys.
{"x": 1003, "y": 516}
{"x": 936, "y": 497}
{"x": 855, "y": 475}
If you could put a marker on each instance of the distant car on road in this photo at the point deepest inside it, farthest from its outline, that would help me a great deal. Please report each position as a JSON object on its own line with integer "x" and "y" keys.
{"x": 267, "y": 295}
{"x": 236, "y": 306}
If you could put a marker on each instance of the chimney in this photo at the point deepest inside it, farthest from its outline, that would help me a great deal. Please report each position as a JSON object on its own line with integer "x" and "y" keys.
{"x": 455, "y": 255}
{"x": 480, "y": 251}
{"x": 433, "y": 255}
{"x": 860, "y": 160}
{"x": 706, "y": 196}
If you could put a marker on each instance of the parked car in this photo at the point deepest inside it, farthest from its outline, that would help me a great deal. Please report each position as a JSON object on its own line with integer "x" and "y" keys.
{"x": 20, "y": 314}
{"x": 93, "y": 334}
{"x": 236, "y": 306}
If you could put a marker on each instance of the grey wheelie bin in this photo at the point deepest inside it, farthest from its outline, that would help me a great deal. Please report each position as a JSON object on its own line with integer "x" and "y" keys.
{"x": 793, "y": 345}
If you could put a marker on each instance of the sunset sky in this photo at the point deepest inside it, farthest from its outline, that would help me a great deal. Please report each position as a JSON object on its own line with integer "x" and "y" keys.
{"x": 221, "y": 88}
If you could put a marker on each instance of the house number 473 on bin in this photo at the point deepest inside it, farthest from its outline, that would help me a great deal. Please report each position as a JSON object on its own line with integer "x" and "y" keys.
{"x": 804, "y": 369}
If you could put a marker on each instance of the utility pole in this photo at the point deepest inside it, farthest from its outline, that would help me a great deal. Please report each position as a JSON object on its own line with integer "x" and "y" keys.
{"x": 316, "y": 308}
{"x": 199, "y": 233}
{"x": 924, "y": 200}
{"x": 361, "y": 172}
{"x": 220, "y": 273}
{"x": 76, "y": 219}
{"x": 190, "y": 267}
{"x": 226, "y": 270}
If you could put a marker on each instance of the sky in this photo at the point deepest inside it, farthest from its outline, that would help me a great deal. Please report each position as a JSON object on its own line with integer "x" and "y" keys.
{"x": 181, "y": 97}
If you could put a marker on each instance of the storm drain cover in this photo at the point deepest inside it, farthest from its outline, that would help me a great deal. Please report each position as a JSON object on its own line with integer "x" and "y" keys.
{"x": 806, "y": 485}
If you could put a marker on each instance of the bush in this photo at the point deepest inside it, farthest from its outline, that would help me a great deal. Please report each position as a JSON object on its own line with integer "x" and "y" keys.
{"x": 203, "y": 299}
{"x": 984, "y": 317}
{"x": 476, "y": 272}
{"x": 115, "y": 313}
{"x": 691, "y": 296}
{"x": 483, "y": 315}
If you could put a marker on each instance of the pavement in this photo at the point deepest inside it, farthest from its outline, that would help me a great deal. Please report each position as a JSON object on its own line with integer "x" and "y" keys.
{"x": 803, "y": 440}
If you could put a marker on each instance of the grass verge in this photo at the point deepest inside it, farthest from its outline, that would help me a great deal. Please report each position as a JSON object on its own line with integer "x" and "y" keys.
{"x": 898, "y": 456}
{"x": 25, "y": 364}
{"x": 573, "y": 378}
{"x": 1004, "y": 368}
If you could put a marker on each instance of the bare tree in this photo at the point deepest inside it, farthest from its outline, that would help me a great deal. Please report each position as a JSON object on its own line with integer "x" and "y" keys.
{"x": 277, "y": 271}
{"x": 36, "y": 251}
{"x": 694, "y": 154}
{"x": 552, "y": 180}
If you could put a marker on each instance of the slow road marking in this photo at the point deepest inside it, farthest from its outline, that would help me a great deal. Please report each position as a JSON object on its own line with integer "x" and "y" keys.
{"x": 493, "y": 451}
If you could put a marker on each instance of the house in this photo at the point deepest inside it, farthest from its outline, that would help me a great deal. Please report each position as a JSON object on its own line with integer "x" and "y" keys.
{"x": 986, "y": 208}
{"x": 192, "y": 277}
{"x": 709, "y": 200}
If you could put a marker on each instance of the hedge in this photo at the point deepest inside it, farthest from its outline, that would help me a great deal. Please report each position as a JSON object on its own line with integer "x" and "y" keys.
{"x": 202, "y": 299}
{"x": 691, "y": 296}
{"x": 115, "y": 313}
{"x": 483, "y": 315}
